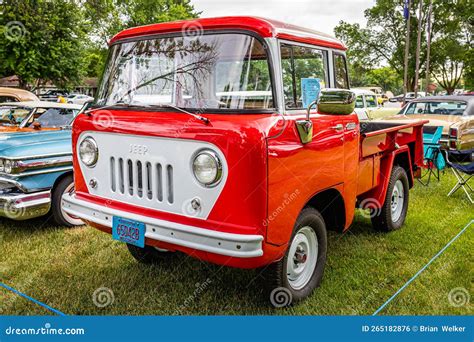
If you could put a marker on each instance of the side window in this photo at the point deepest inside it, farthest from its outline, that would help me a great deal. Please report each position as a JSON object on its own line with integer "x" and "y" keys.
{"x": 299, "y": 63}
{"x": 340, "y": 71}
{"x": 371, "y": 101}
{"x": 359, "y": 102}
{"x": 416, "y": 108}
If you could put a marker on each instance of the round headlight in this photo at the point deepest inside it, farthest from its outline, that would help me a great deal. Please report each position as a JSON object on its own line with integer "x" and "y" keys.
{"x": 8, "y": 166}
{"x": 89, "y": 152}
{"x": 207, "y": 168}
{"x": 2, "y": 165}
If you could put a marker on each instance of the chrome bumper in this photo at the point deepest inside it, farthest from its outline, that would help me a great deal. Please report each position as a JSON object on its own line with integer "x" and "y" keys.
{"x": 235, "y": 245}
{"x": 18, "y": 206}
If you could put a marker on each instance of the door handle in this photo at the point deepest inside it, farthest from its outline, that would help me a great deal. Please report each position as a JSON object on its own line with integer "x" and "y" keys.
{"x": 338, "y": 127}
{"x": 351, "y": 126}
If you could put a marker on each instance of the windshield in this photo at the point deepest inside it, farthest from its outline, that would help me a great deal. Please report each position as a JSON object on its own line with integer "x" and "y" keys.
{"x": 437, "y": 107}
{"x": 13, "y": 115}
{"x": 46, "y": 117}
{"x": 218, "y": 71}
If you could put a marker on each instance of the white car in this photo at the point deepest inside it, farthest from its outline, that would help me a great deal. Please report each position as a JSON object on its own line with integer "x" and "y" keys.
{"x": 366, "y": 101}
{"x": 79, "y": 98}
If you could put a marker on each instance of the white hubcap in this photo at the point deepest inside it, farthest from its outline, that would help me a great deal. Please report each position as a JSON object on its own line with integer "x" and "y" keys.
{"x": 73, "y": 220}
{"x": 397, "y": 200}
{"x": 302, "y": 258}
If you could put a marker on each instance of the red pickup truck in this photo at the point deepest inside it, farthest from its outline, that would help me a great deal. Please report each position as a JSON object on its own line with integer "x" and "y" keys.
{"x": 234, "y": 140}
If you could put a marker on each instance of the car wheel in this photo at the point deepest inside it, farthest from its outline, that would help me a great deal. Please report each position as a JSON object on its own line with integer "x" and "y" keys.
{"x": 393, "y": 212}
{"x": 149, "y": 254}
{"x": 299, "y": 272}
{"x": 65, "y": 186}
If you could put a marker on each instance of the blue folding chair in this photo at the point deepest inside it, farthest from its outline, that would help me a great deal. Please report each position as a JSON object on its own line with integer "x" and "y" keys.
{"x": 434, "y": 159}
{"x": 462, "y": 172}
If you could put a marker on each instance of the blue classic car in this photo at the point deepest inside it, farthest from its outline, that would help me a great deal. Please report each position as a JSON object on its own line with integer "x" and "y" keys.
{"x": 35, "y": 171}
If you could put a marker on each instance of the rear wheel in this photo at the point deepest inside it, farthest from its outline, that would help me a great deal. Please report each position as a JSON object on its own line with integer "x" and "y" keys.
{"x": 300, "y": 271}
{"x": 148, "y": 254}
{"x": 64, "y": 186}
{"x": 393, "y": 212}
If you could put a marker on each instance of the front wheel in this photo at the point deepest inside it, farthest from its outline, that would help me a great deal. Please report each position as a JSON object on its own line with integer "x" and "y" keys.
{"x": 300, "y": 271}
{"x": 393, "y": 212}
{"x": 64, "y": 186}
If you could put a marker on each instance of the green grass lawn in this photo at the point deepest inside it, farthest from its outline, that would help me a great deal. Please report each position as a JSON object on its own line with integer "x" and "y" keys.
{"x": 63, "y": 267}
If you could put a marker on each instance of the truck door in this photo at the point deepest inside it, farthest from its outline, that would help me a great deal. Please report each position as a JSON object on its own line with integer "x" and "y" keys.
{"x": 300, "y": 63}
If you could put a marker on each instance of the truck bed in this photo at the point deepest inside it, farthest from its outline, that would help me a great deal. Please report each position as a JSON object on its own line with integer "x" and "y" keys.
{"x": 379, "y": 140}
{"x": 379, "y": 137}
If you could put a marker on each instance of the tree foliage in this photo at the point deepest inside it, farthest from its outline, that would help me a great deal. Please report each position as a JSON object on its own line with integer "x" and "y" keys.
{"x": 41, "y": 40}
{"x": 63, "y": 41}
{"x": 382, "y": 42}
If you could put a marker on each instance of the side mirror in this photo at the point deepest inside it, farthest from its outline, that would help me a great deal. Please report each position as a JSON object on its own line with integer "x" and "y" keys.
{"x": 331, "y": 101}
{"x": 336, "y": 101}
{"x": 305, "y": 127}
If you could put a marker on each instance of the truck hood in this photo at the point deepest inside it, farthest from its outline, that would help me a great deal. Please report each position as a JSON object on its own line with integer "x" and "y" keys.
{"x": 35, "y": 144}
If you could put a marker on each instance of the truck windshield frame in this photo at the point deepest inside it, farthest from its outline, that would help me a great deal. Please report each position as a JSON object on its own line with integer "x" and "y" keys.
{"x": 223, "y": 71}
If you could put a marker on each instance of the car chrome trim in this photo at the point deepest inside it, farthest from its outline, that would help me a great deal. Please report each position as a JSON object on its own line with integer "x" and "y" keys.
{"x": 40, "y": 172}
{"x": 41, "y": 156}
{"x": 235, "y": 245}
{"x": 19, "y": 206}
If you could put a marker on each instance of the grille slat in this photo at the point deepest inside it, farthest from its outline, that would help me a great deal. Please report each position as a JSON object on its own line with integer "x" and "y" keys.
{"x": 142, "y": 179}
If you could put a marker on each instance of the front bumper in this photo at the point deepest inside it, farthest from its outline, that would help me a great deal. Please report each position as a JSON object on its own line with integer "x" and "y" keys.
{"x": 228, "y": 244}
{"x": 20, "y": 206}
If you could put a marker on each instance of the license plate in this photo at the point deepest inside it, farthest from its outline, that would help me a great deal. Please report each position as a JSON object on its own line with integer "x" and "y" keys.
{"x": 128, "y": 231}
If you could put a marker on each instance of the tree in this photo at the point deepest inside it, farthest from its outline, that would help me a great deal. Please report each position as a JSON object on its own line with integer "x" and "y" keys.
{"x": 382, "y": 42}
{"x": 41, "y": 40}
{"x": 385, "y": 77}
{"x": 108, "y": 17}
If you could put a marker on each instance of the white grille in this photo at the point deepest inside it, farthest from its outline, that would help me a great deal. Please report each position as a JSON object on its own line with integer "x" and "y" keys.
{"x": 142, "y": 179}
{"x": 151, "y": 172}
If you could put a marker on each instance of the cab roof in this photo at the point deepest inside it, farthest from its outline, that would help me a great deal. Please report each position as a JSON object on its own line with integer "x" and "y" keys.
{"x": 266, "y": 28}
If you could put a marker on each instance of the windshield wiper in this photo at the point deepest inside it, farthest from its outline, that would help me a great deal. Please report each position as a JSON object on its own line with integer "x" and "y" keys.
{"x": 196, "y": 116}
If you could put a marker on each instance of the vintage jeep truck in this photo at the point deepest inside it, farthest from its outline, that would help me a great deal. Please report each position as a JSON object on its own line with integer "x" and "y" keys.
{"x": 204, "y": 138}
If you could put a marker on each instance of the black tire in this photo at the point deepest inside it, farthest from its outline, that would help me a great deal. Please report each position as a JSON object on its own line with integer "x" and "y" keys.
{"x": 59, "y": 217}
{"x": 148, "y": 254}
{"x": 382, "y": 218}
{"x": 277, "y": 283}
